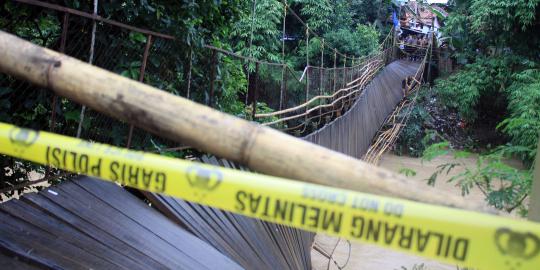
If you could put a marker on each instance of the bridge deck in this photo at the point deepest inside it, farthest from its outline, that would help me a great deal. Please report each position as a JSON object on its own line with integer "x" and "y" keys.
{"x": 353, "y": 132}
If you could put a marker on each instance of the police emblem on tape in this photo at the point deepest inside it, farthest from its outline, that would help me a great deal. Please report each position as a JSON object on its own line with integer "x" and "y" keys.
{"x": 22, "y": 138}
{"x": 203, "y": 179}
{"x": 517, "y": 246}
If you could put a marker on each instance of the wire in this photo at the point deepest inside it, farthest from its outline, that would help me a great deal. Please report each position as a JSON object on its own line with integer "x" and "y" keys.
{"x": 330, "y": 259}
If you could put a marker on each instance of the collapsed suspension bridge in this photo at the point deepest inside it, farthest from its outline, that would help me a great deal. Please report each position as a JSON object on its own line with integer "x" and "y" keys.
{"x": 357, "y": 110}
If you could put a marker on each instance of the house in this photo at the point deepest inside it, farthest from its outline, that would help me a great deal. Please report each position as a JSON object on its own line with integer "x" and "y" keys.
{"x": 422, "y": 17}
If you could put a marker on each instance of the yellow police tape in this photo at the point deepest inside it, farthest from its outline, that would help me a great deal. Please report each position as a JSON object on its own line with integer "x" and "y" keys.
{"x": 450, "y": 235}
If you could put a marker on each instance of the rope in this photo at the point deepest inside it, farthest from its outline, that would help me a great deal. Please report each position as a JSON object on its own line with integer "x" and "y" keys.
{"x": 331, "y": 255}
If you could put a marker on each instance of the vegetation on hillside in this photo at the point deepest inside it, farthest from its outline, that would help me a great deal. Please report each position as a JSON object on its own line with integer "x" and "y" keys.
{"x": 496, "y": 89}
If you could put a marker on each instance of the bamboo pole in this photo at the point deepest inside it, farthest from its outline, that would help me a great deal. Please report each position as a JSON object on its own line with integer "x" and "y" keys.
{"x": 334, "y": 102}
{"x": 262, "y": 149}
{"x": 292, "y": 109}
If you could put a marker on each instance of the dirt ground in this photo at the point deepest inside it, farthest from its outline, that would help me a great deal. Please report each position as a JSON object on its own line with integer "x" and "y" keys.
{"x": 369, "y": 257}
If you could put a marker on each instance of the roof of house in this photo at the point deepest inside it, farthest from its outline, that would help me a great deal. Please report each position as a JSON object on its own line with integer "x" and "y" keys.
{"x": 422, "y": 13}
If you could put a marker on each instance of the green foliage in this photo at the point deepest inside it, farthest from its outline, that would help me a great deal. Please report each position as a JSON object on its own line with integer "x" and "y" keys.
{"x": 262, "y": 29}
{"x": 483, "y": 26}
{"x": 370, "y": 11}
{"x": 232, "y": 82}
{"x": 482, "y": 81}
{"x": 410, "y": 138}
{"x": 407, "y": 172}
{"x": 504, "y": 186}
{"x": 319, "y": 14}
{"x": 523, "y": 125}
{"x": 231, "y": 25}
{"x": 364, "y": 40}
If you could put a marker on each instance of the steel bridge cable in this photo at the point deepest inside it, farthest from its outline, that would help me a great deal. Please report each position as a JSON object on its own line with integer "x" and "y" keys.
{"x": 90, "y": 61}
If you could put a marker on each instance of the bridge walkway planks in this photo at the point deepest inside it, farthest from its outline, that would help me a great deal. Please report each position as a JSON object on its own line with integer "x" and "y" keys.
{"x": 353, "y": 132}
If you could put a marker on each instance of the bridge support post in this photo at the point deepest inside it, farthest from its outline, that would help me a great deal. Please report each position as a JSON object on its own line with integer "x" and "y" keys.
{"x": 255, "y": 92}
{"x": 63, "y": 40}
{"x": 284, "y": 87}
{"x": 430, "y": 57}
{"x": 141, "y": 79}
{"x": 307, "y": 74}
{"x": 321, "y": 74}
{"x": 62, "y": 49}
{"x": 212, "y": 78}
{"x": 188, "y": 90}
{"x": 284, "y": 70}
{"x": 334, "y": 82}
{"x": 394, "y": 46}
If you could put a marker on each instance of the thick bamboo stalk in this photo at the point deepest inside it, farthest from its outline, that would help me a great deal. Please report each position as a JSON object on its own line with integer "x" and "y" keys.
{"x": 263, "y": 149}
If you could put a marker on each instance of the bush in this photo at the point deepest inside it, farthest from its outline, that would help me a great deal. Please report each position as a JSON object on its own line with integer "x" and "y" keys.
{"x": 410, "y": 139}
{"x": 482, "y": 82}
{"x": 523, "y": 125}
{"x": 363, "y": 41}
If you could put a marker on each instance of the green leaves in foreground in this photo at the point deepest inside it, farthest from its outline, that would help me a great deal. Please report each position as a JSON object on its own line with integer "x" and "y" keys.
{"x": 504, "y": 186}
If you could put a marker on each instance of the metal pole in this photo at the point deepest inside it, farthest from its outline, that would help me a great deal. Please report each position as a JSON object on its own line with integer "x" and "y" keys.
{"x": 430, "y": 56}
{"x": 282, "y": 92}
{"x": 345, "y": 71}
{"x": 285, "y": 97}
{"x": 255, "y": 92}
{"x": 189, "y": 72}
{"x": 253, "y": 11}
{"x": 335, "y": 68}
{"x": 321, "y": 76}
{"x": 335, "y": 81}
{"x": 212, "y": 78}
{"x": 353, "y": 74}
{"x": 307, "y": 68}
{"x": 141, "y": 79}
{"x": 63, "y": 38}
